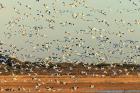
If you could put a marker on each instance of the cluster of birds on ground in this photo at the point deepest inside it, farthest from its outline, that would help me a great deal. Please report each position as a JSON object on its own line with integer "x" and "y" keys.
{"x": 10, "y": 65}
{"x": 58, "y": 84}
{"x": 71, "y": 31}
{"x": 40, "y": 85}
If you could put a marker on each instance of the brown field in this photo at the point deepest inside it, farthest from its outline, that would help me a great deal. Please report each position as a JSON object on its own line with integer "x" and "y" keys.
{"x": 66, "y": 84}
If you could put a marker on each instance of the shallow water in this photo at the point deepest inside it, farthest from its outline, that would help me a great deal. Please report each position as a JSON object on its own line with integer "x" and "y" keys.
{"x": 114, "y": 91}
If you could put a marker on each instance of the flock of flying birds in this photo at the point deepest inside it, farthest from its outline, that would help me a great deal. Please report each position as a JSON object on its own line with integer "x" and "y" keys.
{"x": 71, "y": 31}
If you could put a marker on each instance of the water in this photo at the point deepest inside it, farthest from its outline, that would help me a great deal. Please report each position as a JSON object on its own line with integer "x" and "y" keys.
{"x": 113, "y": 91}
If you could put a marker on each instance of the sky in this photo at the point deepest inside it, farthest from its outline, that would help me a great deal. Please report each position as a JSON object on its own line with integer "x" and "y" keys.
{"x": 90, "y": 31}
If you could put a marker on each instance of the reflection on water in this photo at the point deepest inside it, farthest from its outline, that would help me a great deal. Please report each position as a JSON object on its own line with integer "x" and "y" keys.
{"x": 113, "y": 91}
